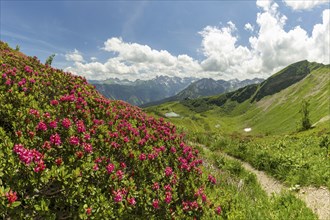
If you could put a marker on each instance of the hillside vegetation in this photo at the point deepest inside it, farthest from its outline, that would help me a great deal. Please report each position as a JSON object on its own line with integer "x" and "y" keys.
{"x": 271, "y": 110}
{"x": 271, "y": 107}
{"x": 66, "y": 152}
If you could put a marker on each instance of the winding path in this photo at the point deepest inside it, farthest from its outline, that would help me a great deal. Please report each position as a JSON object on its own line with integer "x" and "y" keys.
{"x": 317, "y": 199}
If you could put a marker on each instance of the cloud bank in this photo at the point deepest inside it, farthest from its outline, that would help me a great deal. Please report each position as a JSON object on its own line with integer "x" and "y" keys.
{"x": 270, "y": 49}
{"x": 305, "y": 4}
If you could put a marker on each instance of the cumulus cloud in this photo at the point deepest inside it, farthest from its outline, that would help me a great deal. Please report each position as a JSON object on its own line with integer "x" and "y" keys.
{"x": 136, "y": 61}
{"x": 249, "y": 27}
{"x": 75, "y": 56}
{"x": 270, "y": 50}
{"x": 271, "y": 47}
{"x": 93, "y": 59}
{"x": 305, "y": 4}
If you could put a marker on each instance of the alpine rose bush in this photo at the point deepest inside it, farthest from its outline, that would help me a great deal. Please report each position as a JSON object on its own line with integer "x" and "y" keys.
{"x": 66, "y": 152}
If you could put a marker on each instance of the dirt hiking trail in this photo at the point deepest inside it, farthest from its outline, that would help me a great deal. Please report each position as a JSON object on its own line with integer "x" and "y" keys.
{"x": 317, "y": 199}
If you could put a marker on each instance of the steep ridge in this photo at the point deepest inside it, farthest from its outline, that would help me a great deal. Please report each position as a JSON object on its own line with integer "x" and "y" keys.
{"x": 142, "y": 91}
{"x": 273, "y": 102}
{"x": 205, "y": 87}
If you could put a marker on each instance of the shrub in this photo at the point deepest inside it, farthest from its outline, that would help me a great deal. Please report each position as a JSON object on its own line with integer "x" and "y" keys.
{"x": 67, "y": 152}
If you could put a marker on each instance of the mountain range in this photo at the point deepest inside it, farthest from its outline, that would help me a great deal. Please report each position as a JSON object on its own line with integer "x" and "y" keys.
{"x": 206, "y": 87}
{"x": 164, "y": 88}
{"x": 270, "y": 106}
{"x": 142, "y": 91}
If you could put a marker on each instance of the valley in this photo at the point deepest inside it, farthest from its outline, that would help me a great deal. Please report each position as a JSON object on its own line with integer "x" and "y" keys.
{"x": 106, "y": 158}
{"x": 262, "y": 126}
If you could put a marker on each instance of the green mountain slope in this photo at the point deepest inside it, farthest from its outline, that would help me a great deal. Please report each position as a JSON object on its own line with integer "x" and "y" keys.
{"x": 269, "y": 107}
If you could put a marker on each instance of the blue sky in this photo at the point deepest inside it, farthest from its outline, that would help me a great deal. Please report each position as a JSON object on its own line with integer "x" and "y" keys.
{"x": 143, "y": 39}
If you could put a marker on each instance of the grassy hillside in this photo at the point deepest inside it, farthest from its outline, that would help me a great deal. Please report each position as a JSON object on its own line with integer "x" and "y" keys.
{"x": 274, "y": 144}
{"x": 266, "y": 111}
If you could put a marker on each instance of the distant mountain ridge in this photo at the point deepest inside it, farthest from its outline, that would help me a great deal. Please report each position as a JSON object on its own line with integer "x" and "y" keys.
{"x": 142, "y": 91}
{"x": 206, "y": 87}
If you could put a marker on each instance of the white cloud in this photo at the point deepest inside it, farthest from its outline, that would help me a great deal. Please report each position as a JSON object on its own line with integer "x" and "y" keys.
{"x": 305, "y": 4}
{"x": 249, "y": 27}
{"x": 136, "y": 61}
{"x": 270, "y": 50}
{"x": 271, "y": 47}
{"x": 93, "y": 59}
{"x": 75, "y": 56}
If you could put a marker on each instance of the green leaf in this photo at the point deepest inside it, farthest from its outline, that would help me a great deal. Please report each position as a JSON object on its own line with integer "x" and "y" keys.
{"x": 15, "y": 204}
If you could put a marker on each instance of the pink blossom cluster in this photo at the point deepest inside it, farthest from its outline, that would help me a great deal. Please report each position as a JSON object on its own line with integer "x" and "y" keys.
{"x": 28, "y": 156}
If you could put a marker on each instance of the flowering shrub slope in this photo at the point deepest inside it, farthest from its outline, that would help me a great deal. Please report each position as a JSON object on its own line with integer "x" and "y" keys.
{"x": 67, "y": 152}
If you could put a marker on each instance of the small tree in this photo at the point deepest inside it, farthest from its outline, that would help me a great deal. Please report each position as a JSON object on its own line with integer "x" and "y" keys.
{"x": 50, "y": 60}
{"x": 305, "y": 121}
{"x": 17, "y": 47}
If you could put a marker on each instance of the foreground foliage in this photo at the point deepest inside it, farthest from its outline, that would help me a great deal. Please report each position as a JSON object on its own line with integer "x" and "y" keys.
{"x": 243, "y": 197}
{"x": 301, "y": 158}
{"x": 67, "y": 152}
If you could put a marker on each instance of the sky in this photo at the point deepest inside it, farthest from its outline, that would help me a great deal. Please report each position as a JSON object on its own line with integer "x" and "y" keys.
{"x": 144, "y": 39}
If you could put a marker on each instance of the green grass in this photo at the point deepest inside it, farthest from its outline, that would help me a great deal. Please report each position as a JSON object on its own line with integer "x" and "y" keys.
{"x": 275, "y": 114}
{"x": 301, "y": 158}
{"x": 273, "y": 145}
{"x": 242, "y": 196}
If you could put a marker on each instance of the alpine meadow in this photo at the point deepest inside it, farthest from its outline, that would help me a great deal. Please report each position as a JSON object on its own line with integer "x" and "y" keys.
{"x": 165, "y": 110}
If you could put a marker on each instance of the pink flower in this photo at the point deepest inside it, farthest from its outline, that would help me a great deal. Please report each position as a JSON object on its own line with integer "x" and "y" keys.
{"x": 123, "y": 165}
{"x": 155, "y": 186}
{"x": 142, "y": 157}
{"x": 66, "y": 123}
{"x": 87, "y": 136}
{"x": 74, "y": 140}
{"x": 168, "y": 197}
{"x": 54, "y": 102}
{"x": 80, "y": 126}
{"x": 110, "y": 168}
{"x": 55, "y": 139}
{"x": 204, "y": 198}
{"x": 28, "y": 69}
{"x": 53, "y": 124}
{"x": 155, "y": 204}
{"x": 168, "y": 187}
{"x": 212, "y": 179}
{"x": 31, "y": 134}
{"x": 218, "y": 210}
{"x": 88, "y": 148}
{"x": 168, "y": 171}
{"x": 58, "y": 161}
{"x": 118, "y": 196}
{"x": 185, "y": 206}
{"x": 11, "y": 196}
{"x": 120, "y": 174}
{"x": 40, "y": 166}
{"x": 173, "y": 150}
{"x": 46, "y": 145}
{"x": 32, "y": 80}
{"x": 79, "y": 154}
{"x": 96, "y": 167}
{"x": 25, "y": 155}
{"x": 89, "y": 210}
{"x": 126, "y": 139}
{"x": 42, "y": 126}
{"x": 131, "y": 201}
